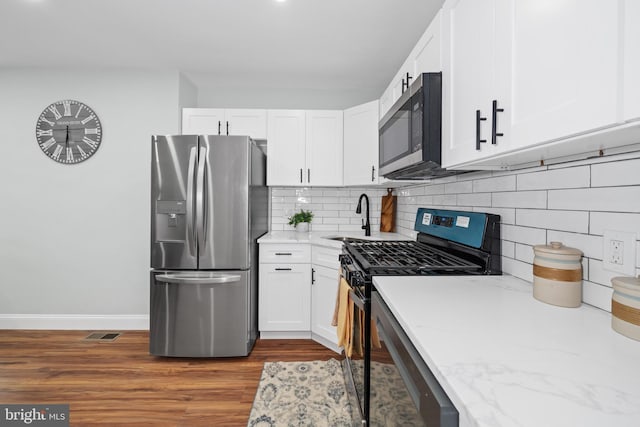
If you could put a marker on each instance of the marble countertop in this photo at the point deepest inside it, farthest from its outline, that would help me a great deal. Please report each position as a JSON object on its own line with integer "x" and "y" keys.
{"x": 507, "y": 359}
{"x": 321, "y": 238}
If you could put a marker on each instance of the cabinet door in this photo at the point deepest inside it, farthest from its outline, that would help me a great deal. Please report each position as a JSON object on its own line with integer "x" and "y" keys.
{"x": 246, "y": 122}
{"x": 386, "y": 101}
{"x": 202, "y": 121}
{"x": 324, "y": 159}
{"x": 564, "y": 62}
{"x": 323, "y": 296}
{"x": 631, "y": 60}
{"x": 285, "y": 297}
{"x": 426, "y": 55}
{"x": 286, "y": 147}
{"x": 361, "y": 144}
{"x": 469, "y": 69}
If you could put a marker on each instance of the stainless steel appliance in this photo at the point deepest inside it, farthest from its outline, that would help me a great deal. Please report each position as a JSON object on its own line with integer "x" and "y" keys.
{"x": 448, "y": 243}
{"x": 410, "y": 133}
{"x": 208, "y": 207}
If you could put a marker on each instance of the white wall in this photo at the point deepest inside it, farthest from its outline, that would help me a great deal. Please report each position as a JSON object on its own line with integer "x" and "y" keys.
{"x": 74, "y": 239}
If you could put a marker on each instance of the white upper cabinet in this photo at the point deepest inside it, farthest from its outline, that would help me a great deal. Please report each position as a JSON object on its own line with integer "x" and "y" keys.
{"x": 246, "y": 122}
{"x": 424, "y": 57}
{"x": 324, "y": 147}
{"x": 286, "y": 147}
{"x": 305, "y": 147}
{"x": 631, "y": 60}
{"x": 361, "y": 144}
{"x": 471, "y": 78}
{"x": 218, "y": 121}
{"x": 564, "y": 60}
{"x": 536, "y": 71}
{"x": 202, "y": 121}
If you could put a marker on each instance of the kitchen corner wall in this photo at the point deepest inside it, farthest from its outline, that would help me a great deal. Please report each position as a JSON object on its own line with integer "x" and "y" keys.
{"x": 572, "y": 203}
{"x": 334, "y": 209}
{"x": 74, "y": 239}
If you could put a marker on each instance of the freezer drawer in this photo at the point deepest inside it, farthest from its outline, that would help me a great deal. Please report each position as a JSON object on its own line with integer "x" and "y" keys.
{"x": 200, "y": 314}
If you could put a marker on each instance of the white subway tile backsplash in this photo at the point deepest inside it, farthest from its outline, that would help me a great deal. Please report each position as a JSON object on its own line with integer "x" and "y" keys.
{"x": 517, "y": 268}
{"x": 573, "y": 203}
{"x": 598, "y": 274}
{"x": 434, "y": 189}
{"x": 459, "y": 187}
{"x": 601, "y": 221}
{"x": 500, "y": 183}
{"x": 474, "y": 199}
{"x": 575, "y": 177}
{"x": 591, "y": 246}
{"x": 597, "y": 295}
{"x": 524, "y": 253}
{"x": 508, "y": 249}
{"x": 526, "y": 235}
{"x": 608, "y": 199}
{"x": 553, "y": 220}
{"x": 618, "y": 173}
{"x": 443, "y": 200}
{"x": 520, "y": 199}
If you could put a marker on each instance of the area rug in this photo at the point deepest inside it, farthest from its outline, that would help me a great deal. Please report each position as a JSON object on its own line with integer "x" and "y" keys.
{"x": 301, "y": 394}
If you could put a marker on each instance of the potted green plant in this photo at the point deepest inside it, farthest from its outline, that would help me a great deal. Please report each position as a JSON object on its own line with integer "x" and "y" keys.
{"x": 301, "y": 220}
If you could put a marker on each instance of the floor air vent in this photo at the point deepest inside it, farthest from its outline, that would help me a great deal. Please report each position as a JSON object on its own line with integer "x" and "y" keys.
{"x": 102, "y": 336}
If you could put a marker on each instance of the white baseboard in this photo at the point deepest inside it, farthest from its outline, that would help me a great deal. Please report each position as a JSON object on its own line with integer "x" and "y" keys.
{"x": 75, "y": 321}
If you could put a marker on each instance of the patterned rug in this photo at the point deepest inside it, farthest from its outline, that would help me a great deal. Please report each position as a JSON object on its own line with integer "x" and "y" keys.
{"x": 301, "y": 394}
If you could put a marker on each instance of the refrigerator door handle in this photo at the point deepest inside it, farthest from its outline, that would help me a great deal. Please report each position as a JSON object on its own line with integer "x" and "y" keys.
{"x": 191, "y": 230}
{"x": 202, "y": 280}
{"x": 200, "y": 202}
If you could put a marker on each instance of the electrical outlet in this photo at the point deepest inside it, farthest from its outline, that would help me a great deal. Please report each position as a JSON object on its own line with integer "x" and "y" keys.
{"x": 619, "y": 253}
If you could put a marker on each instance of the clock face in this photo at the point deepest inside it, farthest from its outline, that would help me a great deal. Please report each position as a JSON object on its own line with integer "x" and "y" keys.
{"x": 68, "y": 132}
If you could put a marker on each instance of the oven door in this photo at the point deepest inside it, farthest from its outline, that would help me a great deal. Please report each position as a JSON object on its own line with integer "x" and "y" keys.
{"x": 356, "y": 369}
{"x": 403, "y": 391}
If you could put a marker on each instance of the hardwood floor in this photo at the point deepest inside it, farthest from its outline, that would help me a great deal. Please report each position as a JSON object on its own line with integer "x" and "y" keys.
{"x": 120, "y": 383}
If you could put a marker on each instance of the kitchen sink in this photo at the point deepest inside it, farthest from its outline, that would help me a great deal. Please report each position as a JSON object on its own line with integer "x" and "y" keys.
{"x": 347, "y": 239}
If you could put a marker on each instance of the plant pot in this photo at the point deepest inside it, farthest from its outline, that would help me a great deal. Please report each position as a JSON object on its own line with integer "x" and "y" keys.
{"x": 302, "y": 227}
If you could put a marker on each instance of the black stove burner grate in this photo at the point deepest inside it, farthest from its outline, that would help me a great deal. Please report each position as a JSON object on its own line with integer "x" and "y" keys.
{"x": 399, "y": 257}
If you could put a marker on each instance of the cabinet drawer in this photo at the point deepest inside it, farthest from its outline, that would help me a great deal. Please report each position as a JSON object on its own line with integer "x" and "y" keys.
{"x": 327, "y": 257}
{"x": 290, "y": 253}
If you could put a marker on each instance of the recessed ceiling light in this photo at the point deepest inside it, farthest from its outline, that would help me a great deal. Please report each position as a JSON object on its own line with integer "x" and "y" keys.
{"x": 281, "y": 1}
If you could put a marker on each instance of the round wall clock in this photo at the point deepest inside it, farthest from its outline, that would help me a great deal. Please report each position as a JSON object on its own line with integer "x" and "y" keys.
{"x": 68, "y": 131}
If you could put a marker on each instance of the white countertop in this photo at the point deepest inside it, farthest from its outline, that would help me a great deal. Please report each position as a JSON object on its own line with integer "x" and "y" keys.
{"x": 321, "y": 237}
{"x": 507, "y": 359}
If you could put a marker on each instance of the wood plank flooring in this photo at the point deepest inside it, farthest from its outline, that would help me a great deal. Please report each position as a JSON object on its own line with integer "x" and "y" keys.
{"x": 120, "y": 384}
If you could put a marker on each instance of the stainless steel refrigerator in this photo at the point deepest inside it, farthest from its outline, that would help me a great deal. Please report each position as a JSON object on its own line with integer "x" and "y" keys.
{"x": 208, "y": 208}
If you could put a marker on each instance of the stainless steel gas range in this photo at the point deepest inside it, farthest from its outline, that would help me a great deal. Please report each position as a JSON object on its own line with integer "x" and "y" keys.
{"x": 448, "y": 243}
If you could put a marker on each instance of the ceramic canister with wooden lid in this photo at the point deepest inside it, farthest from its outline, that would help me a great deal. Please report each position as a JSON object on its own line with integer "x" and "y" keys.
{"x": 625, "y": 306}
{"x": 557, "y": 274}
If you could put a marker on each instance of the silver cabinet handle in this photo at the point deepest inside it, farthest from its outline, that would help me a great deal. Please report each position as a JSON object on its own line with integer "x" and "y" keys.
{"x": 200, "y": 202}
{"x": 191, "y": 231}
{"x": 202, "y": 280}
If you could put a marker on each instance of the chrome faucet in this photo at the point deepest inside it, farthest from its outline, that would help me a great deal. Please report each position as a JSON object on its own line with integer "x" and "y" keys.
{"x": 365, "y": 226}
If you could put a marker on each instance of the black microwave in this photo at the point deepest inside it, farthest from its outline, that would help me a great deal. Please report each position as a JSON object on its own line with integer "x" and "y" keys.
{"x": 411, "y": 132}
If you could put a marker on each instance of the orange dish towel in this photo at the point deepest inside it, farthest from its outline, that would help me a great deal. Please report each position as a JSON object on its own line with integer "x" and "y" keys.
{"x": 345, "y": 317}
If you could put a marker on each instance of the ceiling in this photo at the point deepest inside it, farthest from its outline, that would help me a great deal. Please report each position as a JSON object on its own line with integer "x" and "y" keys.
{"x": 345, "y": 49}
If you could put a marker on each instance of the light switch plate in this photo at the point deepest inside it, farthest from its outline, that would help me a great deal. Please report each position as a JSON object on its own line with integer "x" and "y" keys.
{"x": 619, "y": 252}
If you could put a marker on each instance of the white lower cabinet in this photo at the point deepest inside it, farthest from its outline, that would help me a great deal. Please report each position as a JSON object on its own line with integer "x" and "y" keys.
{"x": 324, "y": 287}
{"x": 298, "y": 285}
{"x": 284, "y": 295}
